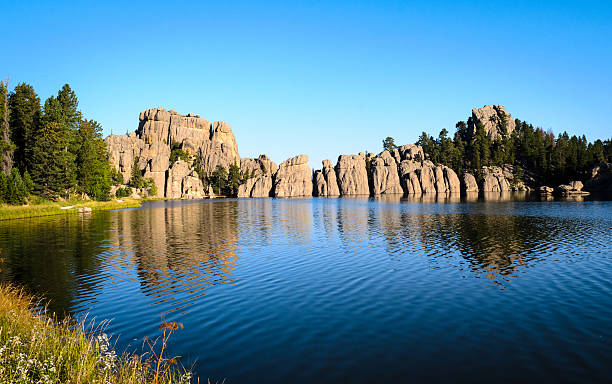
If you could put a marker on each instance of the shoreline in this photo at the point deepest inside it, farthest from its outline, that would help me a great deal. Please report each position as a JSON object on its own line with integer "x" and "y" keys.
{"x": 36, "y": 347}
{"x": 12, "y": 212}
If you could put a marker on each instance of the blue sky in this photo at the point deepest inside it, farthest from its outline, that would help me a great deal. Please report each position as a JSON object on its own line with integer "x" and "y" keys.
{"x": 320, "y": 77}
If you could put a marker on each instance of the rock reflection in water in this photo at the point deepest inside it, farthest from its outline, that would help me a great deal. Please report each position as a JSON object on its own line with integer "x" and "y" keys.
{"x": 179, "y": 250}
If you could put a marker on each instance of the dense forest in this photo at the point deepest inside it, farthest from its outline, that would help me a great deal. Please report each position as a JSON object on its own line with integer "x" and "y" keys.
{"x": 534, "y": 153}
{"x": 50, "y": 151}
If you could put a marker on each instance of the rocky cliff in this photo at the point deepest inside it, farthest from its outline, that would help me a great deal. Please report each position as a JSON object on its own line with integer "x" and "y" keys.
{"x": 494, "y": 119}
{"x": 209, "y": 145}
{"x": 159, "y": 132}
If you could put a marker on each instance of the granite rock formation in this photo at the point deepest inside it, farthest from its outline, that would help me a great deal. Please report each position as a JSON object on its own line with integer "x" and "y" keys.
{"x": 352, "y": 175}
{"x": 293, "y": 178}
{"x": 494, "y": 119}
{"x": 385, "y": 179}
{"x": 159, "y": 131}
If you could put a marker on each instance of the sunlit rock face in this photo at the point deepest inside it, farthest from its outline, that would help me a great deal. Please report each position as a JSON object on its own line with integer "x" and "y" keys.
{"x": 352, "y": 175}
{"x": 495, "y": 121}
{"x": 293, "y": 178}
{"x": 159, "y": 132}
{"x": 385, "y": 179}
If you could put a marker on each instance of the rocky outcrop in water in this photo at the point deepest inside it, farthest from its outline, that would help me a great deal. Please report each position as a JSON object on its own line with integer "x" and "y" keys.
{"x": 469, "y": 183}
{"x": 293, "y": 178}
{"x": 494, "y": 119}
{"x": 385, "y": 179}
{"x": 352, "y": 175}
{"x": 493, "y": 180}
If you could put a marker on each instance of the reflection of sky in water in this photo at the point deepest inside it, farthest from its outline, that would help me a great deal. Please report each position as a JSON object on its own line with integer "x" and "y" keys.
{"x": 322, "y": 279}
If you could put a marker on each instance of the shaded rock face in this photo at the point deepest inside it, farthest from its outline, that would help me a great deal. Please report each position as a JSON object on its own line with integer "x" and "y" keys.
{"x": 352, "y": 175}
{"x": 158, "y": 132}
{"x": 494, "y": 119}
{"x": 325, "y": 183}
{"x": 293, "y": 178}
{"x": 258, "y": 186}
{"x": 385, "y": 179}
{"x": 260, "y": 170}
{"x": 469, "y": 183}
{"x": 601, "y": 179}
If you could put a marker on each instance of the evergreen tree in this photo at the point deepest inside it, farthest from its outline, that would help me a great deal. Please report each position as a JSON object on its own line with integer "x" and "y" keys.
{"x": 52, "y": 166}
{"x": 25, "y": 117}
{"x": 16, "y": 190}
{"x": 233, "y": 180}
{"x": 389, "y": 144}
{"x": 136, "y": 180}
{"x": 93, "y": 167}
{"x": 3, "y": 187}
{"x": 6, "y": 146}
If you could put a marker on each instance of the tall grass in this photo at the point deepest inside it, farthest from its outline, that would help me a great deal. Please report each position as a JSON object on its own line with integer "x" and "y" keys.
{"x": 37, "y": 349}
{"x": 47, "y": 208}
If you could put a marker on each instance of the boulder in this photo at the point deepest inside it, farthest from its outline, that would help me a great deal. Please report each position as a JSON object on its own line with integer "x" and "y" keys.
{"x": 451, "y": 180}
{"x": 469, "y": 183}
{"x": 573, "y": 188}
{"x": 385, "y": 179}
{"x": 494, "y": 180}
{"x": 352, "y": 175}
{"x": 293, "y": 178}
{"x": 545, "y": 190}
{"x": 427, "y": 177}
{"x": 439, "y": 183}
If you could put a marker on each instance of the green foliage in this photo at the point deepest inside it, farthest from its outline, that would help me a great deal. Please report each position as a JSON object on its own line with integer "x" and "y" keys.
{"x": 123, "y": 192}
{"x": 116, "y": 176}
{"x": 233, "y": 180}
{"x": 25, "y": 117}
{"x": 94, "y": 170}
{"x": 7, "y": 147}
{"x": 548, "y": 159}
{"x": 218, "y": 180}
{"x": 179, "y": 153}
{"x": 136, "y": 180}
{"x": 149, "y": 183}
{"x": 389, "y": 144}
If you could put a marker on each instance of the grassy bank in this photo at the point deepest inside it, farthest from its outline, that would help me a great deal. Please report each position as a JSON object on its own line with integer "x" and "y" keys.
{"x": 47, "y": 208}
{"x": 35, "y": 349}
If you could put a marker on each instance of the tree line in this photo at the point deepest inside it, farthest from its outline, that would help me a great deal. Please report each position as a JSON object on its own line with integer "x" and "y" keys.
{"x": 50, "y": 150}
{"x": 549, "y": 159}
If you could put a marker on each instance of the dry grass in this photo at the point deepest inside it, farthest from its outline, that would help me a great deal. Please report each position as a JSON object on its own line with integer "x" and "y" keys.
{"x": 36, "y": 349}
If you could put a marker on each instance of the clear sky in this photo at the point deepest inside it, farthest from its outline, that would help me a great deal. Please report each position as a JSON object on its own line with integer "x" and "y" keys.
{"x": 319, "y": 77}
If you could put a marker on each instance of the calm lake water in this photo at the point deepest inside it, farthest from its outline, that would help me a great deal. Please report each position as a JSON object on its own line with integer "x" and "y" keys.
{"x": 340, "y": 290}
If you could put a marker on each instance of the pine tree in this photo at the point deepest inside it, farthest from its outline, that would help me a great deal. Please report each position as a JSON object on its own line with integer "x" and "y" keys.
{"x": 93, "y": 167}
{"x": 52, "y": 165}
{"x": 16, "y": 190}
{"x": 389, "y": 144}
{"x": 6, "y": 146}
{"x": 136, "y": 180}
{"x": 25, "y": 117}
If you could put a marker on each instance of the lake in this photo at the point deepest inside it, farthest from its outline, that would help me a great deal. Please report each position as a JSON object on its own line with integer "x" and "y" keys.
{"x": 340, "y": 289}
